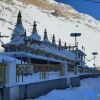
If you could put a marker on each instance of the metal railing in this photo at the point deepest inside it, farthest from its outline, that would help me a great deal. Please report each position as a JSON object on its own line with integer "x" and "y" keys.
{"x": 2, "y": 74}
{"x": 23, "y": 70}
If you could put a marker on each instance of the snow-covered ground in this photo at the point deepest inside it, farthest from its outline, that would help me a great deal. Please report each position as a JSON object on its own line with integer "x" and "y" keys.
{"x": 89, "y": 90}
{"x": 60, "y": 26}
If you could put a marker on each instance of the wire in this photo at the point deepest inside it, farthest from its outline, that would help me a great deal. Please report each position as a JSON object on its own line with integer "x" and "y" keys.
{"x": 89, "y": 59}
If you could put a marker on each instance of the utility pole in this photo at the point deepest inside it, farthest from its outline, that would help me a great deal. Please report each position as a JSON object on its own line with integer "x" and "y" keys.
{"x": 94, "y": 54}
{"x": 75, "y": 35}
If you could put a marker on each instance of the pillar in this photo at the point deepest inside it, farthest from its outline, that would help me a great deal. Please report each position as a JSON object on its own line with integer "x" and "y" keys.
{"x": 66, "y": 72}
{"x": 11, "y": 73}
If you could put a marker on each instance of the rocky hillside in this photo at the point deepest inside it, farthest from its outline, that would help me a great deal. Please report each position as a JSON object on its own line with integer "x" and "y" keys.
{"x": 59, "y": 19}
{"x": 58, "y": 10}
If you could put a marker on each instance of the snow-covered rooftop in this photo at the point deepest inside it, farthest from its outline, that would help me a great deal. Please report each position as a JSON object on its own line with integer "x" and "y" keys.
{"x": 63, "y": 53}
{"x": 35, "y": 36}
{"x": 17, "y": 41}
{"x": 5, "y": 58}
{"x": 24, "y": 54}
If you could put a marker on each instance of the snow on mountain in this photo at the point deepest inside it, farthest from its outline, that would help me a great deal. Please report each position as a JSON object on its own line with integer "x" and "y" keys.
{"x": 52, "y": 1}
{"x": 60, "y": 20}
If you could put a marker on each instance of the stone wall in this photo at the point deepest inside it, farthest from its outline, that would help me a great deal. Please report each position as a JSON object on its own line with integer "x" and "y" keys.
{"x": 35, "y": 90}
{"x": 89, "y": 76}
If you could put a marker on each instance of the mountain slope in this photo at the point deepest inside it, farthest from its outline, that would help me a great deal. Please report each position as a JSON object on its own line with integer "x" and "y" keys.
{"x": 59, "y": 19}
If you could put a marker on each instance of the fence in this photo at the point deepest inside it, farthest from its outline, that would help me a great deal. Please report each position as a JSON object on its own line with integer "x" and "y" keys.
{"x": 44, "y": 69}
{"x": 2, "y": 74}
